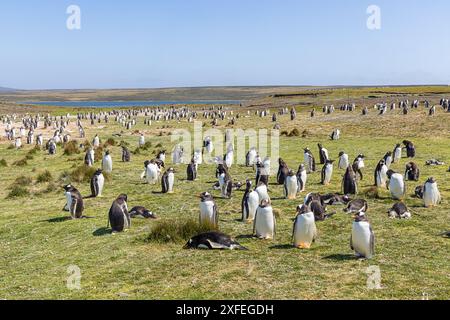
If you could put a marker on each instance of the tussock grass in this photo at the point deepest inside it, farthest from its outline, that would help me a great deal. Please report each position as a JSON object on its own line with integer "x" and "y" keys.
{"x": 111, "y": 142}
{"x": 22, "y": 181}
{"x": 71, "y": 148}
{"x": 43, "y": 177}
{"x": 18, "y": 192}
{"x": 177, "y": 231}
{"x": 82, "y": 173}
{"x": 3, "y": 163}
{"x": 20, "y": 163}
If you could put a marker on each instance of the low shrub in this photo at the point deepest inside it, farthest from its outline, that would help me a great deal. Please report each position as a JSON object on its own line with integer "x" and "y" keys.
{"x": 177, "y": 231}
{"x": 18, "y": 192}
{"x": 43, "y": 177}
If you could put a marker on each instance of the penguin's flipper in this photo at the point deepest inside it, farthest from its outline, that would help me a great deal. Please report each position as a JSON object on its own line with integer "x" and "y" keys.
{"x": 351, "y": 243}
{"x": 372, "y": 242}
{"x": 216, "y": 245}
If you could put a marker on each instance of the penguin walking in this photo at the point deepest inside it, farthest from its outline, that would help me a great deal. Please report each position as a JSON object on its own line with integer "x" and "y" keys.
{"x": 380, "y": 174}
{"x": 301, "y": 178}
{"x": 250, "y": 203}
{"x": 283, "y": 171}
{"x": 290, "y": 185}
{"x": 264, "y": 226}
{"x": 107, "y": 163}
{"x": 412, "y": 172}
{"x": 397, "y": 154}
{"x": 343, "y": 161}
{"x": 396, "y": 185}
{"x": 310, "y": 162}
{"x": 191, "y": 171}
{"x": 118, "y": 216}
{"x": 400, "y": 211}
{"x": 327, "y": 172}
{"x": 167, "y": 181}
{"x": 208, "y": 210}
{"x": 97, "y": 183}
{"x": 75, "y": 203}
{"x": 323, "y": 154}
{"x": 362, "y": 239}
{"x": 431, "y": 194}
{"x": 304, "y": 231}
{"x": 349, "y": 183}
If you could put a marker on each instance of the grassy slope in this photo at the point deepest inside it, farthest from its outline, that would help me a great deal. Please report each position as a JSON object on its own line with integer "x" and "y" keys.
{"x": 36, "y": 246}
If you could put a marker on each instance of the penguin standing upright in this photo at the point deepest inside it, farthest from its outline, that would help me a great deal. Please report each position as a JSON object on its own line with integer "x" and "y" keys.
{"x": 250, "y": 157}
{"x": 167, "y": 181}
{"x": 261, "y": 175}
{"x": 412, "y": 172}
{"x": 323, "y": 153}
{"x": 75, "y": 203}
{"x": 97, "y": 183}
{"x": 343, "y": 160}
{"x": 380, "y": 174}
{"x": 358, "y": 164}
{"x": 265, "y": 224}
{"x": 118, "y": 215}
{"x": 396, "y": 185}
{"x": 250, "y": 203}
{"x": 208, "y": 210}
{"x": 431, "y": 194}
{"x": 290, "y": 185}
{"x": 301, "y": 178}
{"x": 191, "y": 170}
{"x": 310, "y": 162}
{"x": 362, "y": 240}
{"x": 262, "y": 191}
{"x": 89, "y": 158}
{"x": 141, "y": 140}
{"x": 126, "y": 156}
{"x": 107, "y": 164}
{"x": 151, "y": 172}
{"x": 397, "y": 154}
{"x": 96, "y": 141}
{"x": 410, "y": 149}
{"x": 229, "y": 156}
{"x": 283, "y": 171}
{"x": 304, "y": 232}
{"x": 349, "y": 184}
{"x": 327, "y": 172}
{"x": 388, "y": 159}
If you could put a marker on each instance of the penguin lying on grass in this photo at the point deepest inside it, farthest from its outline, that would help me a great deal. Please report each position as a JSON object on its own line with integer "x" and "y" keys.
{"x": 139, "y": 211}
{"x": 400, "y": 211}
{"x": 213, "y": 241}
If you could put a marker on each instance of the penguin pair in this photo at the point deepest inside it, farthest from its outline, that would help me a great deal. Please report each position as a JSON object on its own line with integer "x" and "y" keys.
{"x": 118, "y": 216}
{"x": 74, "y": 203}
{"x": 167, "y": 181}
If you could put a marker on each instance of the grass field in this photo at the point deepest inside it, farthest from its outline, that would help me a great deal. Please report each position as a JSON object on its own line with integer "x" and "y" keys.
{"x": 37, "y": 243}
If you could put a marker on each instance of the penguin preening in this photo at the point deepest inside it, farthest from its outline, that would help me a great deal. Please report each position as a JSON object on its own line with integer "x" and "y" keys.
{"x": 400, "y": 211}
{"x": 412, "y": 172}
{"x": 140, "y": 211}
{"x": 362, "y": 239}
{"x": 304, "y": 231}
{"x": 349, "y": 184}
{"x": 213, "y": 241}
{"x": 208, "y": 210}
{"x": 264, "y": 226}
{"x": 167, "y": 181}
{"x": 75, "y": 203}
{"x": 250, "y": 202}
{"x": 290, "y": 185}
{"x": 301, "y": 178}
{"x": 97, "y": 183}
{"x": 118, "y": 216}
{"x": 327, "y": 172}
{"x": 431, "y": 194}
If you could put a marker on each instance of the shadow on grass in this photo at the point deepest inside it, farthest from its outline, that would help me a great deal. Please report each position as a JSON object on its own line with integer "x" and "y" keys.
{"x": 245, "y": 236}
{"x": 101, "y": 232}
{"x": 282, "y": 247}
{"x": 340, "y": 257}
{"x": 58, "y": 219}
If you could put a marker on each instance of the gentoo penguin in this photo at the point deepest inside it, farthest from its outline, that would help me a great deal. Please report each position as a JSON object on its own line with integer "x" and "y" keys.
{"x": 336, "y": 134}
{"x": 396, "y": 185}
{"x": 388, "y": 159}
{"x": 304, "y": 232}
{"x": 343, "y": 160}
{"x": 290, "y": 185}
{"x": 418, "y": 192}
{"x": 362, "y": 240}
{"x": 161, "y": 156}
{"x": 167, "y": 181}
{"x": 380, "y": 174}
{"x": 126, "y": 156}
{"x": 349, "y": 184}
{"x": 119, "y": 218}
{"x": 18, "y": 143}
{"x": 410, "y": 149}
{"x": 97, "y": 183}
{"x": 262, "y": 191}
{"x": 140, "y": 211}
{"x": 412, "y": 172}
{"x": 265, "y": 224}
{"x": 261, "y": 175}
{"x": 208, "y": 210}
{"x": 75, "y": 203}
{"x": 208, "y": 145}
{"x": 151, "y": 172}
{"x": 191, "y": 171}
{"x": 51, "y": 147}
{"x": 198, "y": 157}
{"x": 335, "y": 199}
{"x": 250, "y": 203}
{"x": 397, "y": 153}
{"x": 89, "y": 158}
{"x": 283, "y": 171}
{"x": 229, "y": 156}
{"x": 358, "y": 164}
{"x": 96, "y": 141}
{"x": 399, "y": 210}
{"x": 431, "y": 194}
{"x": 250, "y": 157}
{"x": 213, "y": 240}
{"x": 327, "y": 172}
{"x": 323, "y": 153}
{"x": 226, "y": 184}
{"x": 310, "y": 162}
{"x": 356, "y": 206}
{"x": 141, "y": 140}
{"x": 301, "y": 178}
{"x": 107, "y": 164}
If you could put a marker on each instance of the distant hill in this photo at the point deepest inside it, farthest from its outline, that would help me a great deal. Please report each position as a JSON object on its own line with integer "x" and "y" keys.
{"x": 3, "y": 89}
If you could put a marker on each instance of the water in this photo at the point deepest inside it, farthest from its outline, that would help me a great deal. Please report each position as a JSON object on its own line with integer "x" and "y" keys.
{"x": 113, "y": 104}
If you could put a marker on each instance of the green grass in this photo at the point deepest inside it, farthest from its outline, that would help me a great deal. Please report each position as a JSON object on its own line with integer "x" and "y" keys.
{"x": 38, "y": 243}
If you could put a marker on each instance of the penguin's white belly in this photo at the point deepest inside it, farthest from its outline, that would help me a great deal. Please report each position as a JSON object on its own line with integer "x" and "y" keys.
{"x": 431, "y": 196}
{"x": 397, "y": 186}
{"x": 198, "y": 159}
{"x": 69, "y": 201}
{"x": 253, "y": 203}
{"x": 305, "y": 230}
{"x": 291, "y": 187}
{"x": 152, "y": 173}
{"x": 229, "y": 159}
{"x": 343, "y": 162}
{"x": 328, "y": 174}
{"x": 398, "y": 154}
{"x": 92, "y": 156}
{"x": 265, "y": 223}
{"x": 262, "y": 193}
{"x": 207, "y": 212}
{"x": 251, "y": 158}
{"x": 101, "y": 183}
{"x": 361, "y": 238}
{"x": 209, "y": 148}
{"x": 170, "y": 180}
{"x": 303, "y": 178}
{"x": 325, "y": 153}
{"x": 107, "y": 164}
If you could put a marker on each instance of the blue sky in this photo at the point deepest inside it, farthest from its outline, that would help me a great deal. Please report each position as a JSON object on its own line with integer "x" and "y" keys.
{"x": 126, "y": 44}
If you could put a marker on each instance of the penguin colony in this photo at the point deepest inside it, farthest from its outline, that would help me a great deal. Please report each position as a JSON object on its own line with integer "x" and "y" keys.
{"x": 256, "y": 204}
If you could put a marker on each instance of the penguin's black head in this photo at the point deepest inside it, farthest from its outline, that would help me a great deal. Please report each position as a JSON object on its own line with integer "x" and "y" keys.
{"x": 431, "y": 180}
{"x": 341, "y": 153}
{"x": 206, "y": 196}
{"x": 306, "y": 149}
{"x": 319, "y": 145}
{"x": 382, "y": 162}
{"x": 123, "y": 197}
{"x": 98, "y": 172}
{"x": 265, "y": 203}
{"x": 248, "y": 183}
{"x": 330, "y": 161}
{"x": 146, "y": 163}
{"x": 302, "y": 209}
{"x": 291, "y": 173}
{"x": 69, "y": 188}
{"x": 107, "y": 152}
{"x": 389, "y": 173}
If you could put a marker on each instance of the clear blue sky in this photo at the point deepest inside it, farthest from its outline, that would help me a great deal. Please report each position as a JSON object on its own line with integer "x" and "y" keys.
{"x": 133, "y": 43}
